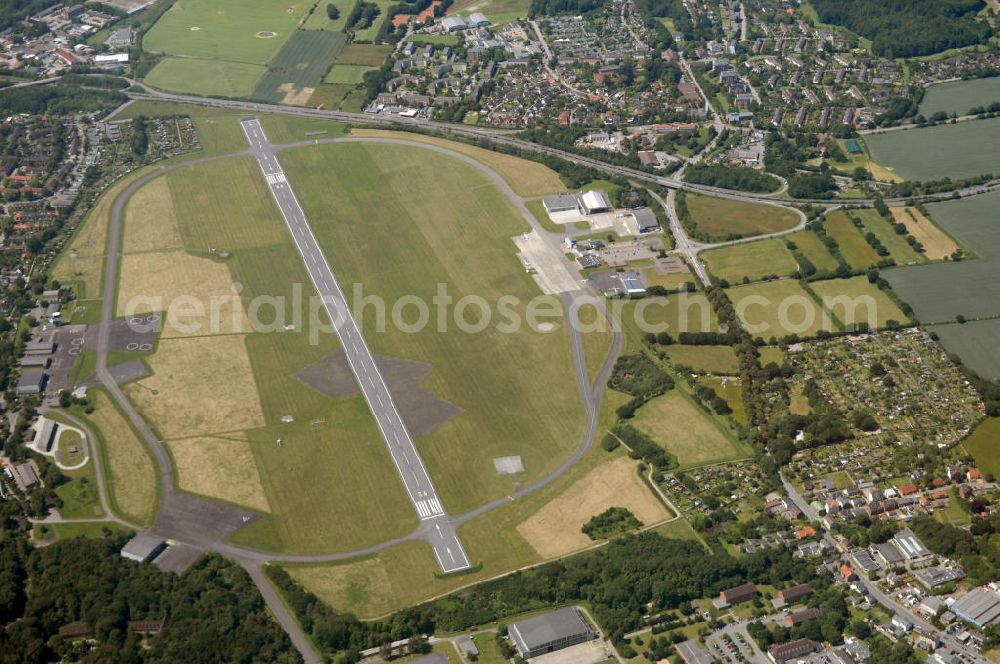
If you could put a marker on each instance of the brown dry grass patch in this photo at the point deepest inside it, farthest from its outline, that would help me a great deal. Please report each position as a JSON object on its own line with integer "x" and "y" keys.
{"x": 526, "y": 178}
{"x": 157, "y": 281}
{"x": 555, "y": 529}
{"x": 937, "y": 244}
{"x": 222, "y": 468}
{"x": 131, "y": 473}
{"x": 199, "y": 386}
{"x": 151, "y": 221}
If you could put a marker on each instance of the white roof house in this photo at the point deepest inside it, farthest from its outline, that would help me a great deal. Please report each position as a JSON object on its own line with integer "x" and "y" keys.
{"x": 595, "y": 201}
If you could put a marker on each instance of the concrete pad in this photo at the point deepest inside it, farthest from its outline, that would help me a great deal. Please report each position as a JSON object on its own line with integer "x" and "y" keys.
{"x": 177, "y": 558}
{"x": 422, "y": 411}
{"x": 590, "y": 652}
{"x": 509, "y": 465}
{"x": 551, "y": 272}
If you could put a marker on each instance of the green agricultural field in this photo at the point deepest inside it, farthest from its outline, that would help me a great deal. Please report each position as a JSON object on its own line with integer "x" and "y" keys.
{"x": 437, "y": 40}
{"x": 430, "y": 219}
{"x": 750, "y": 260}
{"x": 940, "y": 291}
{"x": 856, "y": 300}
{"x": 813, "y": 248}
{"x": 853, "y": 246}
{"x": 984, "y": 445}
{"x": 330, "y": 96}
{"x": 975, "y": 343}
{"x": 957, "y": 151}
{"x": 723, "y": 218}
{"x": 299, "y": 67}
{"x": 776, "y": 309}
{"x": 960, "y": 96}
{"x": 348, "y": 74}
{"x": 249, "y": 31}
{"x": 206, "y": 77}
{"x": 899, "y": 250}
{"x": 681, "y": 312}
{"x": 498, "y": 11}
{"x": 370, "y": 55}
{"x": 685, "y": 431}
{"x": 708, "y": 359}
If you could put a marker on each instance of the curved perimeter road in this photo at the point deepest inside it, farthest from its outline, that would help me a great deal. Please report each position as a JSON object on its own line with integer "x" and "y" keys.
{"x": 205, "y": 524}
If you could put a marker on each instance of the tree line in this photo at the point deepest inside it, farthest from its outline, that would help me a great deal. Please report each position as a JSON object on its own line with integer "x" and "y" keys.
{"x": 730, "y": 177}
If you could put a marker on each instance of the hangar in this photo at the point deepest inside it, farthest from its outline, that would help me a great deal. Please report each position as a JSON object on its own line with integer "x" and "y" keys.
{"x": 592, "y": 202}
{"x": 549, "y": 632}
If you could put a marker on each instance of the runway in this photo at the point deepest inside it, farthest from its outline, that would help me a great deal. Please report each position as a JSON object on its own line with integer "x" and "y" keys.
{"x": 437, "y": 527}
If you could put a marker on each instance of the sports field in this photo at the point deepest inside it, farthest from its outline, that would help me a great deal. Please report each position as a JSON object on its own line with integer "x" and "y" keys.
{"x": 814, "y": 250}
{"x": 855, "y": 300}
{"x": 975, "y": 343}
{"x": 853, "y": 246}
{"x": 723, "y": 218}
{"x": 707, "y": 359}
{"x": 399, "y": 220}
{"x": 960, "y": 96}
{"x": 750, "y": 260}
{"x": 899, "y": 249}
{"x": 957, "y": 151}
{"x": 776, "y": 309}
{"x": 299, "y": 67}
{"x": 555, "y": 530}
{"x": 206, "y": 77}
{"x": 984, "y": 445}
{"x": 682, "y": 429}
{"x": 940, "y": 291}
{"x": 937, "y": 244}
{"x": 348, "y": 74}
{"x": 222, "y": 402}
{"x": 525, "y": 177}
{"x": 249, "y": 31}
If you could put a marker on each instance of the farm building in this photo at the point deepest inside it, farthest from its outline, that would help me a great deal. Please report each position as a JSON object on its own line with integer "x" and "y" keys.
{"x": 549, "y": 632}
{"x": 143, "y": 547}
{"x": 593, "y": 202}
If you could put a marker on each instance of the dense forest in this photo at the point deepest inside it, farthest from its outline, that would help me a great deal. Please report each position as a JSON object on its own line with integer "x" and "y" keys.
{"x": 908, "y": 28}
{"x": 553, "y": 7}
{"x": 214, "y": 612}
{"x": 730, "y": 177}
{"x": 60, "y": 98}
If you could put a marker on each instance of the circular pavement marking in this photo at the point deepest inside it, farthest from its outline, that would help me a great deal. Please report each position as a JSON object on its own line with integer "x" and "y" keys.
{"x": 195, "y": 28}
{"x": 77, "y": 341}
{"x": 266, "y": 34}
{"x": 135, "y": 320}
{"x": 132, "y": 346}
{"x": 152, "y": 318}
{"x": 146, "y": 347}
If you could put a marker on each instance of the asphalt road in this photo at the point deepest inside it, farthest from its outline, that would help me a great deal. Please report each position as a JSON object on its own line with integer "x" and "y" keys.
{"x": 441, "y": 533}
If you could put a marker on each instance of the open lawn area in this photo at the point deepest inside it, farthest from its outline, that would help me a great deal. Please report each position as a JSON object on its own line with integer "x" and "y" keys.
{"x": 681, "y": 312}
{"x": 937, "y": 244}
{"x": 292, "y": 128}
{"x": 498, "y": 11}
{"x": 129, "y": 470}
{"x": 984, "y": 445}
{"x": 214, "y": 78}
{"x": 707, "y": 359}
{"x": 855, "y": 300}
{"x": 731, "y": 390}
{"x": 348, "y": 74}
{"x": 938, "y": 292}
{"x": 814, "y": 250}
{"x": 723, "y": 218}
{"x": 899, "y": 249}
{"x": 960, "y": 96}
{"x": 750, "y": 260}
{"x": 776, "y": 309}
{"x": 232, "y": 30}
{"x": 853, "y": 246}
{"x": 957, "y": 151}
{"x": 400, "y": 220}
{"x": 597, "y": 336}
{"x": 555, "y": 530}
{"x": 320, "y": 20}
{"x": 525, "y": 177}
{"x": 369, "y": 55}
{"x": 684, "y": 430}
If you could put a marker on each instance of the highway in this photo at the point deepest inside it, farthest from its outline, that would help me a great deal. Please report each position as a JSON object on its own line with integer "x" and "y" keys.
{"x": 439, "y": 530}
